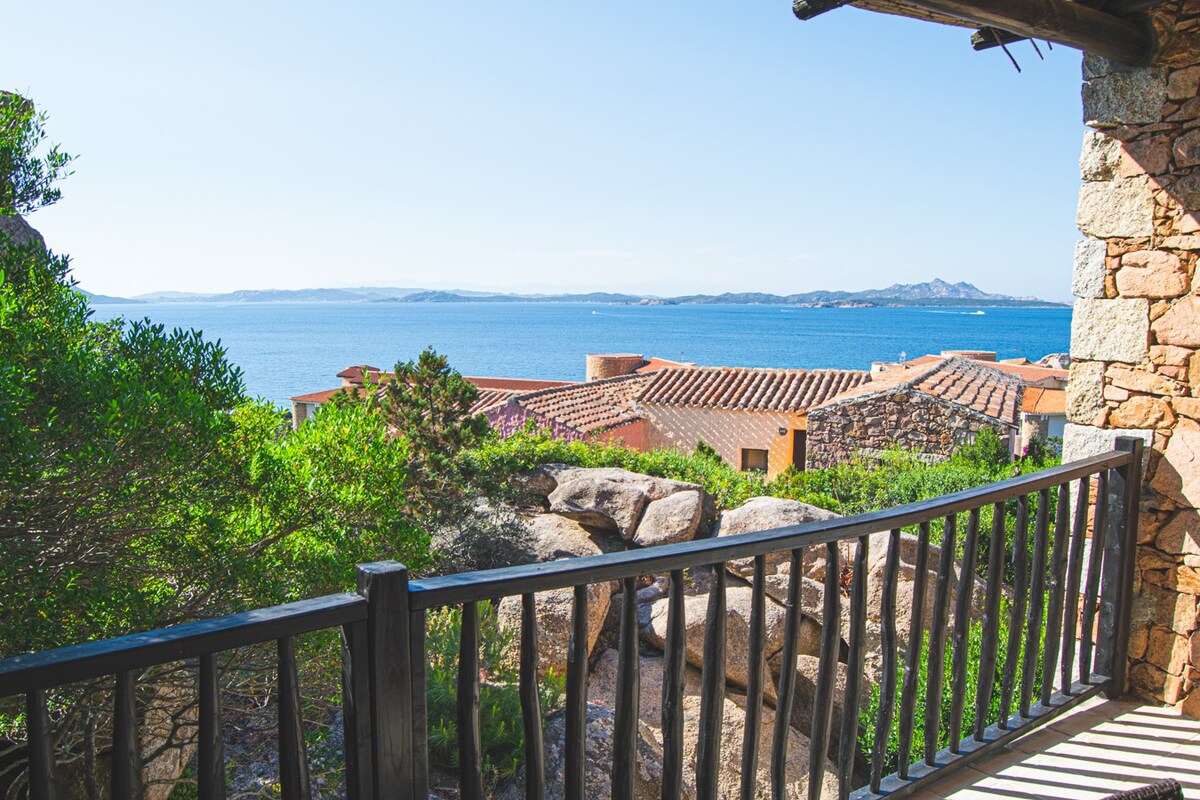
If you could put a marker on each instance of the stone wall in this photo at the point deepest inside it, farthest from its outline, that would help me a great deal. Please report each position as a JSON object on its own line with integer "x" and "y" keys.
{"x": 912, "y": 420}
{"x": 1135, "y": 335}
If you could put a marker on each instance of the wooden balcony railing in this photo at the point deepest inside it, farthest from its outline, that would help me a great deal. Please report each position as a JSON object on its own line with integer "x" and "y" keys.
{"x": 1069, "y": 605}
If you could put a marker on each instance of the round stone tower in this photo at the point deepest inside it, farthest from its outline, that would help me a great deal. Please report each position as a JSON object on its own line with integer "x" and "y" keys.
{"x": 610, "y": 365}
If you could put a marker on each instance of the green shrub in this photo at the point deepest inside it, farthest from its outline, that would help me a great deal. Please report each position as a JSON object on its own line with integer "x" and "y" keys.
{"x": 501, "y": 730}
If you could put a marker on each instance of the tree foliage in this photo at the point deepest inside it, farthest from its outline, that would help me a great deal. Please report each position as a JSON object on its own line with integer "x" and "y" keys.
{"x": 27, "y": 173}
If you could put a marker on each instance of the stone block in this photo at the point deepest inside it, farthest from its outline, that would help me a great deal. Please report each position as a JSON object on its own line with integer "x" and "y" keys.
{"x": 1178, "y": 473}
{"x": 1182, "y": 242}
{"x": 1087, "y": 280}
{"x": 1169, "y": 355}
{"x": 1167, "y": 650}
{"x": 1186, "y": 191}
{"x": 1083, "y": 441}
{"x": 1122, "y": 208}
{"x": 1140, "y": 380}
{"x": 1151, "y": 273}
{"x": 1133, "y": 96}
{"x": 1180, "y": 326}
{"x": 1184, "y": 84}
{"x": 1142, "y": 412}
{"x": 1100, "y": 156}
{"x": 1187, "y": 407}
{"x": 1146, "y": 156}
{"x": 1187, "y": 149}
{"x": 1085, "y": 391}
{"x": 1111, "y": 330}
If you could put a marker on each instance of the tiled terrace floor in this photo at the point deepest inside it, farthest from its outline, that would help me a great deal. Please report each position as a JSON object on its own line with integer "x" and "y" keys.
{"x": 1100, "y": 748}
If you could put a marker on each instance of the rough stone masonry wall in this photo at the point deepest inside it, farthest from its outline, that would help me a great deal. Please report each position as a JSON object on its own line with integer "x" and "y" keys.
{"x": 914, "y": 421}
{"x": 1135, "y": 337}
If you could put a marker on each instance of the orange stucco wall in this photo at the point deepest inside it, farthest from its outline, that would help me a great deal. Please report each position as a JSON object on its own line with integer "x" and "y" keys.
{"x": 726, "y": 431}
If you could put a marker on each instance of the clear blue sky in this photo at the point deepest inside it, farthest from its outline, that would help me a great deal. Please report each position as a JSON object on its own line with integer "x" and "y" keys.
{"x": 668, "y": 146}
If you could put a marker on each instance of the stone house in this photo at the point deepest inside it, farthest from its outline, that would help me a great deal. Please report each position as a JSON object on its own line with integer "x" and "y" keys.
{"x": 932, "y": 408}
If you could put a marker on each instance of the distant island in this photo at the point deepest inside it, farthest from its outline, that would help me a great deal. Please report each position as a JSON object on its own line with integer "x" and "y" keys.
{"x": 931, "y": 293}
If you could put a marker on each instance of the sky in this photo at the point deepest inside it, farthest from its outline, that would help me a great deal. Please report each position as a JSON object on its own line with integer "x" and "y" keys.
{"x": 662, "y": 147}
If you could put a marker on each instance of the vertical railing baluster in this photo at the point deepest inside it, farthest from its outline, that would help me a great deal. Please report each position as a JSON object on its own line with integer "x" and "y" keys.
{"x": 1037, "y": 598}
{"x": 786, "y": 690}
{"x": 293, "y": 759}
{"x": 852, "y": 699}
{"x": 628, "y": 699}
{"x": 712, "y": 693}
{"x": 916, "y": 643}
{"x": 576, "y": 707}
{"x": 384, "y": 584}
{"x": 672, "y": 700}
{"x": 470, "y": 749}
{"x": 1071, "y": 609}
{"x": 1054, "y": 606}
{"x": 1127, "y": 486}
{"x": 1016, "y": 620}
{"x": 127, "y": 755}
{"x": 887, "y": 636}
{"x": 827, "y": 665}
{"x": 1091, "y": 590}
{"x": 963, "y": 603}
{"x": 990, "y": 639}
{"x": 937, "y": 639}
{"x": 356, "y": 712}
{"x": 211, "y": 776}
{"x": 754, "y": 681}
{"x": 420, "y": 714}
{"x": 43, "y": 784}
{"x": 531, "y": 706}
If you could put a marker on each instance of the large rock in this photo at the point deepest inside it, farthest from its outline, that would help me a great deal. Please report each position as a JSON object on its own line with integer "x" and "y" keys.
{"x": 674, "y": 518}
{"x": 767, "y": 513}
{"x": 554, "y": 622}
{"x": 737, "y": 631}
{"x": 617, "y": 499}
{"x": 553, "y": 537}
{"x": 1181, "y": 324}
{"x": 17, "y": 231}
{"x": 598, "y": 759}
{"x": 602, "y": 690}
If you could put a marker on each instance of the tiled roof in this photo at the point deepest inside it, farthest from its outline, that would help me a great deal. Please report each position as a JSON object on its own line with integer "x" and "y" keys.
{"x": 747, "y": 388}
{"x": 1044, "y": 401}
{"x": 515, "y": 384}
{"x": 977, "y": 385}
{"x": 654, "y": 364}
{"x": 1031, "y": 374}
{"x": 489, "y": 398}
{"x": 591, "y": 406}
{"x": 317, "y": 397}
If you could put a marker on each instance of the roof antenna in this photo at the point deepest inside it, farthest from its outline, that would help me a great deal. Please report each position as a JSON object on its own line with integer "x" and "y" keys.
{"x": 999, "y": 41}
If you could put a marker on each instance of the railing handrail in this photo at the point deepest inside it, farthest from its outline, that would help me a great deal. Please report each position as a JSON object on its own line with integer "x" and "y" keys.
{"x": 91, "y": 660}
{"x": 49, "y": 668}
{"x": 466, "y": 587}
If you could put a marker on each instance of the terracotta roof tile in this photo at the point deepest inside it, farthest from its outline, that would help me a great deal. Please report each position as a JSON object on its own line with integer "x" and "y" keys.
{"x": 489, "y": 398}
{"x": 1031, "y": 374}
{"x": 1044, "y": 401}
{"x": 591, "y": 406}
{"x": 977, "y": 385}
{"x": 515, "y": 384}
{"x": 317, "y": 397}
{"x": 748, "y": 388}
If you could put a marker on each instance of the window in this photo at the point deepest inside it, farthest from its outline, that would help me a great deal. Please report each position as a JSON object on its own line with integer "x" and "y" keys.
{"x": 755, "y": 460}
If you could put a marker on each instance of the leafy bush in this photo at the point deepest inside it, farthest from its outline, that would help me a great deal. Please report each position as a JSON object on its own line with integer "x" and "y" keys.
{"x": 501, "y": 729}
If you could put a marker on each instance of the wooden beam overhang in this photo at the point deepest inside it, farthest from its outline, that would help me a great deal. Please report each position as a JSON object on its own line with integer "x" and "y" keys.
{"x": 1064, "y": 22}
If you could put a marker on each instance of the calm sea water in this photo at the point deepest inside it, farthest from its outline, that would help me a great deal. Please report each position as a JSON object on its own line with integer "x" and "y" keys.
{"x": 286, "y": 349}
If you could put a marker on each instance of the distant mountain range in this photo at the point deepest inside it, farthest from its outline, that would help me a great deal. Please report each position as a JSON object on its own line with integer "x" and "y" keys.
{"x": 931, "y": 293}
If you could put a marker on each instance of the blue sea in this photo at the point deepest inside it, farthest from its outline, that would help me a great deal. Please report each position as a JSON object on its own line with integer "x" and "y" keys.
{"x": 285, "y": 349}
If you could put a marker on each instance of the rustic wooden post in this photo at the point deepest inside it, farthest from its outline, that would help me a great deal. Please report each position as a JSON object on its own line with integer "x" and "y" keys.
{"x": 385, "y": 586}
{"x": 1116, "y": 593}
